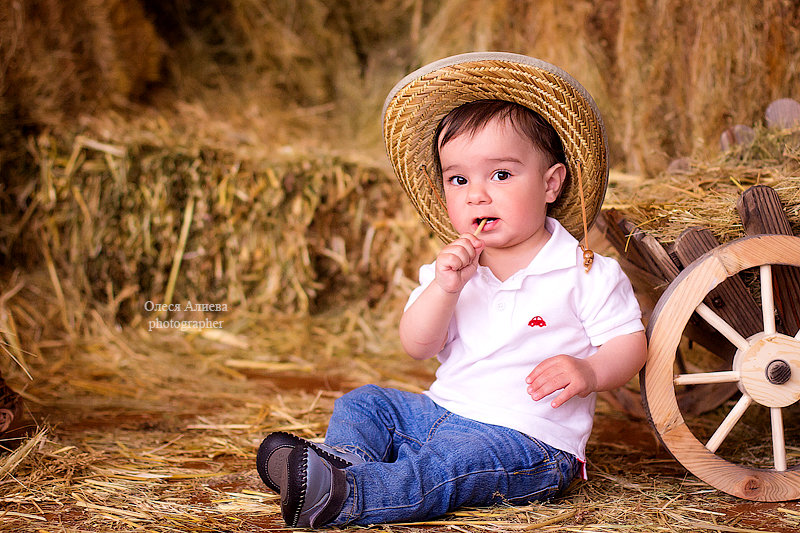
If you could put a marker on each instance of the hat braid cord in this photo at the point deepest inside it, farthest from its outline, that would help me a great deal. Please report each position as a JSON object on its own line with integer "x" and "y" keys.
{"x": 588, "y": 254}
{"x": 435, "y": 190}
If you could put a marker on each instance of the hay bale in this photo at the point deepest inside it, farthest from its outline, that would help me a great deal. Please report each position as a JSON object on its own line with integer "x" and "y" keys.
{"x": 669, "y": 76}
{"x": 252, "y": 234}
{"x": 60, "y": 58}
{"x": 312, "y": 75}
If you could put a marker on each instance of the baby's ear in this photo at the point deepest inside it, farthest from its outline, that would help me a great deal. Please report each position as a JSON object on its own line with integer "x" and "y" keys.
{"x": 554, "y": 180}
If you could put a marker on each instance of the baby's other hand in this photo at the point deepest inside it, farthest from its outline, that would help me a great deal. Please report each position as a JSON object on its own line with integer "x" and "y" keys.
{"x": 575, "y": 376}
{"x": 457, "y": 262}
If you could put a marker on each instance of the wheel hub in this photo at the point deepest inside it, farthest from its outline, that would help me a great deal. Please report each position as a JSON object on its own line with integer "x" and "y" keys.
{"x": 778, "y": 372}
{"x": 769, "y": 370}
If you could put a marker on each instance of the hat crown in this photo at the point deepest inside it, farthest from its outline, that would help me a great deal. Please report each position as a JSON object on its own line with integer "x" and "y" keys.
{"x": 417, "y": 104}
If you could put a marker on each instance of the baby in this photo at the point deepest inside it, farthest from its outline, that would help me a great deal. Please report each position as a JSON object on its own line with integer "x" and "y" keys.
{"x": 504, "y": 156}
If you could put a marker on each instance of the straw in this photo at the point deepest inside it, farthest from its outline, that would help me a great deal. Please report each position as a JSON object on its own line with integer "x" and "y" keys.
{"x": 706, "y": 192}
{"x": 480, "y": 226}
{"x": 168, "y": 441}
{"x": 176, "y": 263}
{"x": 313, "y": 251}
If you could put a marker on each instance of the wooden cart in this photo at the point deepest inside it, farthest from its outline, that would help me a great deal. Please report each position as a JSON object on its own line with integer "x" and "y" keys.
{"x": 741, "y": 301}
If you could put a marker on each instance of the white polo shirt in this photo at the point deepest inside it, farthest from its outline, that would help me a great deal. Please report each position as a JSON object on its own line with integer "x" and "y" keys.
{"x": 501, "y": 330}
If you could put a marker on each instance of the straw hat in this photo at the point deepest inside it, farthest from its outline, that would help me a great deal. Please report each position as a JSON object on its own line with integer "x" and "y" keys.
{"x": 418, "y": 103}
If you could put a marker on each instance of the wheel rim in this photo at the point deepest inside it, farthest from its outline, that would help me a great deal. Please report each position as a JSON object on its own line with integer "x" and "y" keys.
{"x": 683, "y": 297}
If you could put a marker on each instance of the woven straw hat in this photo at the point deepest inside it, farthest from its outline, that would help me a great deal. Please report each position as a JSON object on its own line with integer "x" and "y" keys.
{"x": 418, "y": 103}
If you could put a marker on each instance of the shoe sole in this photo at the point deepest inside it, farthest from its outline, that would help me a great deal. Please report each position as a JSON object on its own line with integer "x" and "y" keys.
{"x": 294, "y": 484}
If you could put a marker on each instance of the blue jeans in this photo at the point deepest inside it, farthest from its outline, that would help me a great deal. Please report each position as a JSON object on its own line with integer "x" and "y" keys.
{"x": 424, "y": 461}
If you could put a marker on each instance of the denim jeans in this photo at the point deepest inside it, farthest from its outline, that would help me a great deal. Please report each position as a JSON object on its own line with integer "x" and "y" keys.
{"x": 424, "y": 461}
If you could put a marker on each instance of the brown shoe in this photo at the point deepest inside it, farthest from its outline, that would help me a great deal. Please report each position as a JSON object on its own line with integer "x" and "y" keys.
{"x": 274, "y": 452}
{"x": 313, "y": 491}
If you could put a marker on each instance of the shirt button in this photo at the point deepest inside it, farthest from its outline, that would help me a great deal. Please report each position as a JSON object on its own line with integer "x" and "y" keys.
{"x": 500, "y": 306}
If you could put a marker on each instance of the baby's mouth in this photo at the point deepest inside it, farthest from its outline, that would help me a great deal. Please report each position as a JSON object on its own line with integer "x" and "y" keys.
{"x": 478, "y": 220}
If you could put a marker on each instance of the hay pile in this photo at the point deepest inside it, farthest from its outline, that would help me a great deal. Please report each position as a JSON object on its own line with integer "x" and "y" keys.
{"x": 669, "y": 77}
{"x": 158, "y": 431}
{"x": 107, "y": 148}
{"x": 704, "y": 193}
{"x": 159, "y": 220}
{"x": 61, "y": 58}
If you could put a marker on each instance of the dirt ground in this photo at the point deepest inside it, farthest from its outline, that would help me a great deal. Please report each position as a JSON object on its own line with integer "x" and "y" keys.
{"x": 158, "y": 432}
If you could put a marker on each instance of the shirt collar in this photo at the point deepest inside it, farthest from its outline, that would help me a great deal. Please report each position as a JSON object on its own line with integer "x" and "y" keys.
{"x": 557, "y": 253}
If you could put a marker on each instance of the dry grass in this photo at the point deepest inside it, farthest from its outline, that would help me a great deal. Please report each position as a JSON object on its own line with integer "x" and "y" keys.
{"x": 706, "y": 191}
{"x": 669, "y": 76}
{"x": 164, "y": 214}
{"x": 157, "y": 431}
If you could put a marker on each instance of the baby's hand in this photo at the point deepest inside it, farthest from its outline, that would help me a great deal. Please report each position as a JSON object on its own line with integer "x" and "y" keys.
{"x": 457, "y": 262}
{"x": 575, "y": 376}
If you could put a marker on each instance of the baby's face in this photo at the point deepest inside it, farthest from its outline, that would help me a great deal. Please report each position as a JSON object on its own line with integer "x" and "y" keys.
{"x": 498, "y": 174}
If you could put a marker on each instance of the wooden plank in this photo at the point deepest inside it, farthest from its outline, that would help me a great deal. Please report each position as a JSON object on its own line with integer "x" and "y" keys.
{"x": 647, "y": 279}
{"x": 637, "y": 246}
{"x": 651, "y": 276}
{"x": 761, "y": 212}
{"x": 730, "y": 299}
{"x": 659, "y": 261}
{"x": 619, "y": 238}
{"x": 634, "y": 242}
{"x": 606, "y": 225}
{"x": 650, "y": 269}
{"x": 647, "y": 287}
{"x": 624, "y": 400}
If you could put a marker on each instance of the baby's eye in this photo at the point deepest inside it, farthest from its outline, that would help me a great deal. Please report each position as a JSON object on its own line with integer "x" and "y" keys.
{"x": 457, "y": 180}
{"x": 501, "y": 175}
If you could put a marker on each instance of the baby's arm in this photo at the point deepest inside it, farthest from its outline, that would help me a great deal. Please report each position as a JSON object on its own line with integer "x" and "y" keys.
{"x": 614, "y": 363}
{"x": 423, "y": 326}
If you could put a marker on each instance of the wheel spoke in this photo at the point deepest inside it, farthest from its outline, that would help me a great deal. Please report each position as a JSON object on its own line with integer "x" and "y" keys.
{"x": 727, "y": 425}
{"x": 723, "y": 327}
{"x": 701, "y": 378}
{"x": 767, "y": 299}
{"x": 778, "y": 447}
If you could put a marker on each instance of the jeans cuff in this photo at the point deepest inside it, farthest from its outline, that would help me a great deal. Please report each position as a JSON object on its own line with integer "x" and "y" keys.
{"x": 348, "y": 512}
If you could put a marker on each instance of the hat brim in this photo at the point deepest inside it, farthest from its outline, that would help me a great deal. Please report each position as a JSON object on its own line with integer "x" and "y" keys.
{"x": 418, "y": 103}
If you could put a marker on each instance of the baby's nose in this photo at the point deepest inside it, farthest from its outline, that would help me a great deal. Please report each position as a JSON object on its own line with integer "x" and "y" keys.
{"x": 478, "y": 193}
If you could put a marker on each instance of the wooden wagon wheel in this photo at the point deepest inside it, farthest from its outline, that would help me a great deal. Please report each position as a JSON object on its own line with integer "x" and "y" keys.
{"x": 766, "y": 368}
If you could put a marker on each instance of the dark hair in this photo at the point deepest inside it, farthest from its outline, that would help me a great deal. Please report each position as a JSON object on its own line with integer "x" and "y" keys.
{"x": 470, "y": 117}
